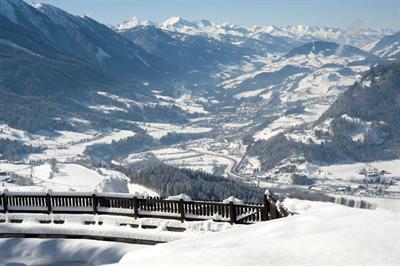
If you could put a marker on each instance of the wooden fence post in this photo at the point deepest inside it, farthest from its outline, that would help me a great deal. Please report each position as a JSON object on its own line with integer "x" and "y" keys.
{"x": 274, "y": 211}
{"x": 5, "y": 201}
{"x": 232, "y": 212}
{"x": 266, "y": 209}
{"x": 48, "y": 203}
{"x": 95, "y": 202}
{"x": 135, "y": 207}
{"x": 181, "y": 210}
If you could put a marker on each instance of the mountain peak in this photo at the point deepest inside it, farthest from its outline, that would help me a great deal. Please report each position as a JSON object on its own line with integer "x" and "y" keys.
{"x": 133, "y": 23}
{"x": 129, "y": 24}
{"x": 172, "y": 20}
{"x": 175, "y": 22}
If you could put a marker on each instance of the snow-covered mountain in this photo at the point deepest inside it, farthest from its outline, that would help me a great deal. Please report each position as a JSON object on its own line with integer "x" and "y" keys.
{"x": 47, "y": 53}
{"x": 315, "y": 70}
{"x": 293, "y": 34}
{"x": 388, "y": 47}
{"x": 133, "y": 23}
{"x": 49, "y": 32}
{"x": 202, "y": 58}
{"x": 265, "y": 39}
{"x": 361, "y": 125}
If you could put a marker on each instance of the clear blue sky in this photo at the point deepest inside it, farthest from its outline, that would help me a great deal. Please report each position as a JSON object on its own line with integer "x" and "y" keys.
{"x": 339, "y": 13}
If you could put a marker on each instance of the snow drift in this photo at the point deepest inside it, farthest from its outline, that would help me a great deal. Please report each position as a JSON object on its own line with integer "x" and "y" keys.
{"x": 322, "y": 234}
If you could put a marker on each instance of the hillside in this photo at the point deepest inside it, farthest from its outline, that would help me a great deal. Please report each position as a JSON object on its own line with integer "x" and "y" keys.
{"x": 362, "y": 125}
{"x": 388, "y": 47}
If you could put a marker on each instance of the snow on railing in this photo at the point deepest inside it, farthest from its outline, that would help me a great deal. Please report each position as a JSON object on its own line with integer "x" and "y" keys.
{"x": 179, "y": 207}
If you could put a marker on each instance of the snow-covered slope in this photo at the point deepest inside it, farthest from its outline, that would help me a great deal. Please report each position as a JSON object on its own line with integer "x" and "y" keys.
{"x": 319, "y": 234}
{"x": 361, "y": 125}
{"x": 388, "y": 47}
{"x": 297, "y": 88}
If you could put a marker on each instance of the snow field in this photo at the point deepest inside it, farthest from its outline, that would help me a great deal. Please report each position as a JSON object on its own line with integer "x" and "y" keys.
{"x": 186, "y": 102}
{"x": 348, "y": 236}
{"x": 158, "y": 130}
{"x": 73, "y": 177}
{"x": 76, "y": 146}
{"x": 350, "y": 171}
{"x": 151, "y": 229}
{"x": 196, "y": 158}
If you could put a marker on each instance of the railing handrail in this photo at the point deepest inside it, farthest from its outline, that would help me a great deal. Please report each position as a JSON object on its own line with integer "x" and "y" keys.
{"x": 131, "y": 205}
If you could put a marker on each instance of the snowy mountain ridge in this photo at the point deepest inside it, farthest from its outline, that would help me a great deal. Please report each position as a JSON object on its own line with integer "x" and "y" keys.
{"x": 133, "y": 23}
{"x": 295, "y": 33}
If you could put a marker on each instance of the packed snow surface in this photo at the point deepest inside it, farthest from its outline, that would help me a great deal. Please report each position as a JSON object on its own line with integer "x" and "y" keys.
{"x": 179, "y": 197}
{"x": 87, "y": 252}
{"x": 320, "y": 234}
{"x": 20, "y": 251}
{"x": 68, "y": 174}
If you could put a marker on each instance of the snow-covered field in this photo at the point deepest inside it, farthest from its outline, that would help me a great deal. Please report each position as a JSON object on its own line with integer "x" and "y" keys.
{"x": 351, "y": 170}
{"x": 62, "y": 145}
{"x": 47, "y": 251}
{"x": 76, "y": 146}
{"x": 158, "y": 130}
{"x": 188, "y": 103}
{"x": 70, "y": 177}
{"x": 203, "y": 154}
{"x": 319, "y": 234}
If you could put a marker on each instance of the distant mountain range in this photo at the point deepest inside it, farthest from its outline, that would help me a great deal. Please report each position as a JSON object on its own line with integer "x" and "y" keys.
{"x": 288, "y": 36}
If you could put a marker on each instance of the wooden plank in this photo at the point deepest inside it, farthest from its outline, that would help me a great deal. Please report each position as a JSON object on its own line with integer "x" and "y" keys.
{"x": 94, "y": 203}
{"x": 181, "y": 210}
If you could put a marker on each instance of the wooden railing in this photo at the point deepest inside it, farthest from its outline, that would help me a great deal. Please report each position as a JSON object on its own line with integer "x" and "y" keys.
{"x": 130, "y": 205}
